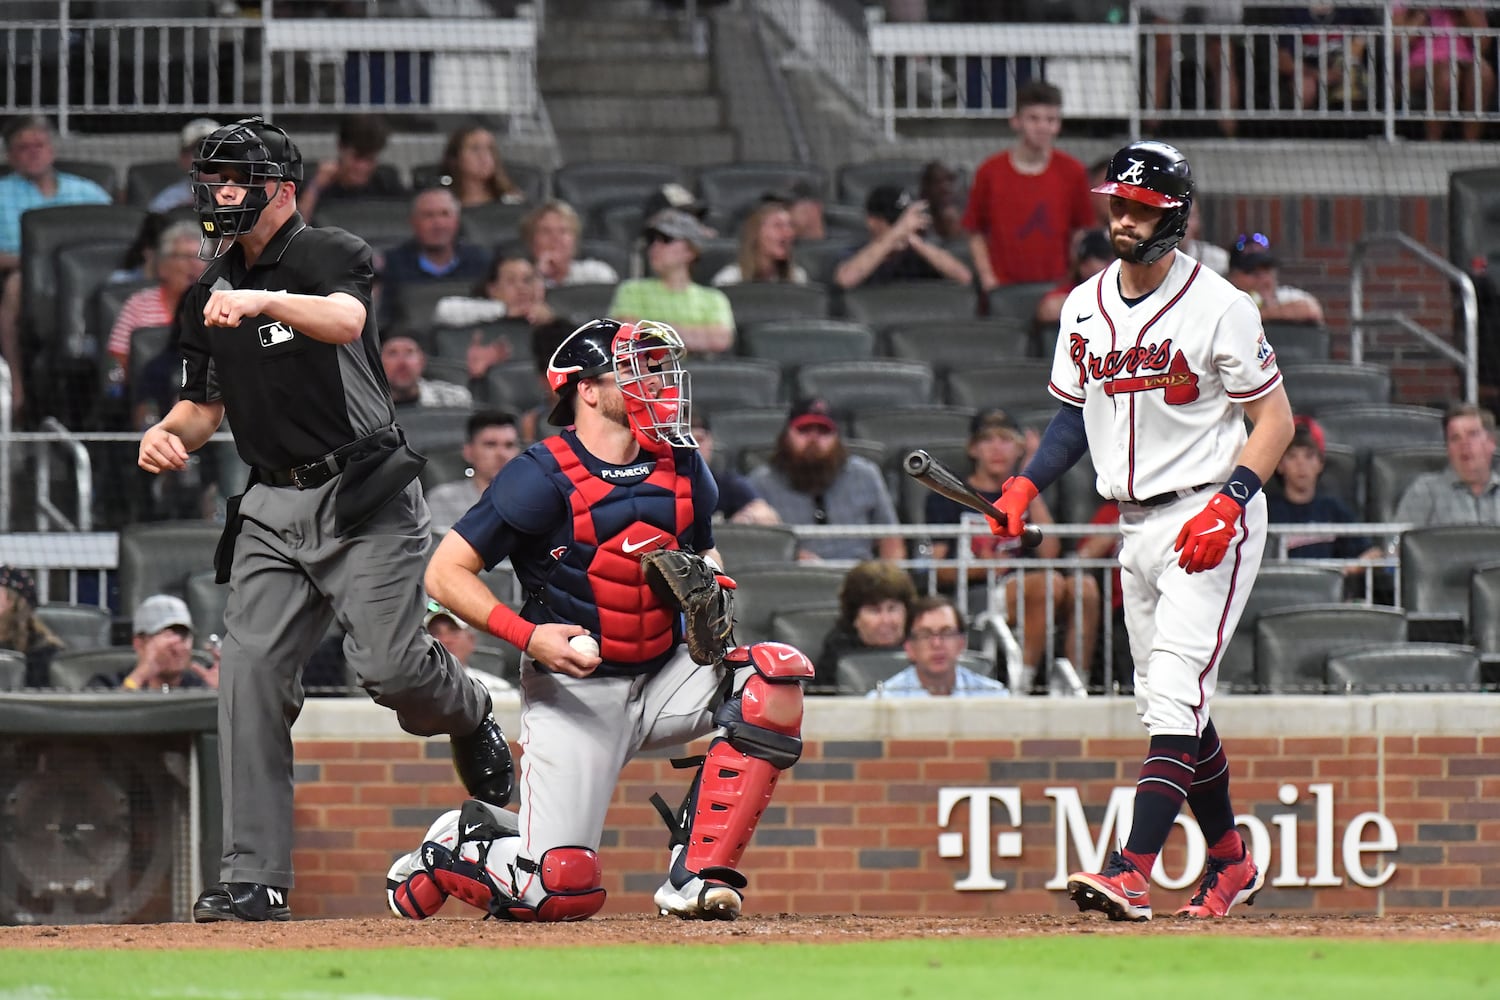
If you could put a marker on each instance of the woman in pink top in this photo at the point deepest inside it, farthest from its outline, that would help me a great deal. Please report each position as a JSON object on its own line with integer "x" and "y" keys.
{"x": 1432, "y": 56}
{"x": 177, "y": 268}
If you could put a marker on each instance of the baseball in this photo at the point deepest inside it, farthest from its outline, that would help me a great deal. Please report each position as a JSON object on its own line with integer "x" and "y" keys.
{"x": 585, "y": 644}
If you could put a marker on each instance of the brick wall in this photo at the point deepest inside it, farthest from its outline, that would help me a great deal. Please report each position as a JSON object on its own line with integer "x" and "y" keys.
{"x": 1314, "y": 237}
{"x": 854, "y": 827}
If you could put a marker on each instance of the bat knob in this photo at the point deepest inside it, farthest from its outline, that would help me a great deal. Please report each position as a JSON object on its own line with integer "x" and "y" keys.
{"x": 1031, "y": 536}
{"x": 917, "y": 463}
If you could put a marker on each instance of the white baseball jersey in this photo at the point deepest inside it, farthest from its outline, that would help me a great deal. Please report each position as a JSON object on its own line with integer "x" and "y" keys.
{"x": 1161, "y": 382}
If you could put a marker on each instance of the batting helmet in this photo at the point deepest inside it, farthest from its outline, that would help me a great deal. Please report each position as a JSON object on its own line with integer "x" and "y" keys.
{"x": 246, "y": 154}
{"x": 1153, "y": 173}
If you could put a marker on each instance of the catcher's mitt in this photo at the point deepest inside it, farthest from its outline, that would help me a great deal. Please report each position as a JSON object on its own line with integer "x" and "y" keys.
{"x": 690, "y": 584}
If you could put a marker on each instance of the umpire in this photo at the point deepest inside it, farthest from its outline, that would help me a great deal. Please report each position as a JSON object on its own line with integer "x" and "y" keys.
{"x": 279, "y": 336}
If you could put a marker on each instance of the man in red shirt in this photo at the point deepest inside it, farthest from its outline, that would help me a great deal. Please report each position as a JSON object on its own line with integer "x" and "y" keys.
{"x": 1026, "y": 202}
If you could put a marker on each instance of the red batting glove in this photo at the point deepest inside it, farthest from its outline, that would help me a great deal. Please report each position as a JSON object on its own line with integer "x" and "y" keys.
{"x": 1015, "y": 499}
{"x": 1205, "y": 538}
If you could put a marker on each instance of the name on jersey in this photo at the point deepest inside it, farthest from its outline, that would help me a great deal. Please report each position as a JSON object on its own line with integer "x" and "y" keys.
{"x": 630, "y": 472}
{"x": 1139, "y": 368}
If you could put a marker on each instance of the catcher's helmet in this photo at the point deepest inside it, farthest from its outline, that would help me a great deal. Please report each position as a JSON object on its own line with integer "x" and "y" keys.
{"x": 1157, "y": 174}
{"x": 246, "y": 154}
{"x": 646, "y": 358}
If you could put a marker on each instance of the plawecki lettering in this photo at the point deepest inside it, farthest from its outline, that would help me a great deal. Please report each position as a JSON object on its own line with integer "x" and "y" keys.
{"x": 1071, "y": 827}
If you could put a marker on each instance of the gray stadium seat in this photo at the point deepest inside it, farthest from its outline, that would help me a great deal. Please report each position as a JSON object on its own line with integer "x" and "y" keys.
{"x": 1377, "y": 427}
{"x": 1276, "y": 588}
{"x": 885, "y": 307}
{"x": 13, "y": 670}
{"x": 855, "y": 181}
{"x": 1013, "y": 386}
{"x": 79, "y": 626}
{"x": 1437, "y": 565}
{"x": 1391, "y": 472}
{"x": 729, "y": 188}
{"x": 805, "y": 628}
{"x": 453, "y": 342}
{"x": 82, "y": 270}
{"x": 433, "y": 426}
{"x": 1473, "y": 211}
{"x": 1292, "y": 646}
{"x": 763, "y": 302}
{"x": 413, "y": 304}
{"x": 532, "y": 180}
{"x": 858, "y": 673}
{"x": 1316, "y": 387}
{"x": 848, "y": 386}
{"x": 792, "y": 343}
{"x": 158, "y": 558}
{"x": 1484, "y": 608}
{"x": 713, "y": 256}
{"x": 1299, "y": 342}
{"x": 737, "y": 429}
{"x": 588, "y": 185}
{"x": 501, "y": 660}
{"x": 910, "y": 495}
{"x": 764, "y": 592}
{"x": 206, "y": 602}
{"x": 444, "y": 465}
{"x": 72, "y": 670}
{"x": 1414, "y": 666}
{"x": 380, "y": 222}
{"x": 904, "y": 428}
{"x": 947, "y": 344}
{"x": 45, "y": 231}
{"x": 103, "y": 174}
{"x": 144, "y": 181}
{"x": 514, "y": 386}
{"x": 581, "y": 303}
{"x": 745, "y": 545}
{"x": 1019, "y": 301}
{"x": 733, "y": 383}
{"x": 1342, "y": 476}
{"x": 493, "y": 223}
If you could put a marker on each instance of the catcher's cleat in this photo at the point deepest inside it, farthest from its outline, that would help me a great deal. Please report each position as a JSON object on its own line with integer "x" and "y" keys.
{"x": 699, "y": 900}
{"x": 1225, "y": 884}
{"x": 249, "y": 902}
{"x": 484, "y": 763}
{"x": 1120, "y": 891}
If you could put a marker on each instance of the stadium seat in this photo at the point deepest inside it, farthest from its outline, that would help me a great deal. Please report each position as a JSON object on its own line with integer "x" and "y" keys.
{"x": 729, "y": 383}
{"x": 1276, "y": 588}
{"x": 1374, "y": 426}
{"x": 1014, "y": 386}
{"x": 444, "y": 465}
{"x": 433, "y": 426}
{"x": 1437, "y": 566}
{"x": 1295, "y": 343}
{"x": 820, "y": 258}
{"x": 451, "y": 370}
{"x": 1316, "y": 387}
{"x": 762, "y": 302}
{"x": 855, "y": 181}
{"x": 883, "y": 307}
{"x": 848, "y": 386}
{"x": 381, "y": 222}
{"x": 105, "y": 305}
{"x": 157, "y": 558}
{"x": 587, "y": 185}
{"x": 144, "y": 181}
{"x": 1415, "y": 666}
{"x": 792, "y": 343}
{"x": 1342, "y": 476}
{"x": 1079, "y": 500}
{"x": 514, "y": 386}
{"x": 1473, "y": 214}
{"x": 947, "y": 344}
{"x": 846, "y": 224}
{"x": 206, "y": 601}
{"x": 103, "y": 174}
{"x": 730, "y": 188}
{"x": 910, "y": 495}
{"x": 805, "y": 628}
{"x": 453, "y": 342}
{"x": 73, "y": 669}
{"x": 146, "y": 344}
{"x": 713, "y": 256}
{"x": 581, "y": 303}
{"x": 754, "y": 456}
{"x": 763, "y": 592}
{"x": 908, "y": 427}
{"x": 1391, "y": 472}
{"x": 612, "y": 252}
{"x": 79, "y": 626}
{"x": 1484, "y": 608}
{"x": 414, "y": 303}
{"x": 82, "y": 269}
{"x": 493, "y": 223}
{"x": 736, "y": 429}
{"x": 860, "y": 673}
{"x": 13, "y": 670}
{"x": 1018, "y": 302}
{"x": 746, "y": 545}
{"x": 1292, "y": 645}
{"x": 620, "y": 222}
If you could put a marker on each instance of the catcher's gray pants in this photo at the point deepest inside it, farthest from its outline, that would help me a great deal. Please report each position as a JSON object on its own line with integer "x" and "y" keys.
{"x": 291, "y": 578}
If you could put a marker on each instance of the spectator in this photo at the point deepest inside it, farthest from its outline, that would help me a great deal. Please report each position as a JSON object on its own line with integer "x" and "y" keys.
{"x": 1468, "y": 491}
{"x": 458, "y": 638}
{"x": 21, "y": 629}
{"x": 179, "y": 193}
{"x": 512, "y": 289}
{"x": 899, "y": 249}
{"x": 139, "y": 262}
{"x": 545, "y": 338}
{"x": 354, "y": 171}
{"x": 874, "y": 602}
{"x": 1094, "y": 255}
{"x": 491, "y": 439}
{"x": 1332, "y": 63}
{"x": 766, "y": 239}
{"x": 33, "y": 182}
{"x": 1216, "y": 53}
{"x": 550, "y": 232}
{"x": 1253, "y": 269}
{"x": 1027, "y": 201}
{"x": 939, "y": 189}
{"x": 1215, "y": 258}
{"x": 1106, "y": 545}
{"x": 702, "y": 316}
{"x": 1435, "y": 57}
{"x": 1097, "y": 171}
{"x": 1300, "y": 502}
{"x": 936, "y": 637}
{"x": 177, "y": 268}
{"x": 433, "y": 253}
{"x": 163, "y": 651}
{"x": 806, "y": 207}
{"x": 812, "y": 479}
{"x": 738, "y": 501}
{"x": 996, "y": 447}
{"x": 472, "y": 166}
{"x": 405, "y": 362}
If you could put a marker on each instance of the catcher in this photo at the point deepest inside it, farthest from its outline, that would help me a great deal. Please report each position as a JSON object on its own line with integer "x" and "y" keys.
{"x": 627, "y": 639}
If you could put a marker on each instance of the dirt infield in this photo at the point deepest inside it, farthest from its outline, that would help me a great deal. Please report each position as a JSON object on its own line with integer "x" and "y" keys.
{"x": 444, "y": 931}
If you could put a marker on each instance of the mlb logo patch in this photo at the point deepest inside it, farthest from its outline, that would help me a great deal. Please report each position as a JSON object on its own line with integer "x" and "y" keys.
{"x": 275, "y": 333}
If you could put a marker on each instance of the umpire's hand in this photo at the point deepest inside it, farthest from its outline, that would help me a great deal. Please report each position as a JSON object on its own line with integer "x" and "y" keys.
{"x": 161, "y": 450}
{"x": 549, "y": 647}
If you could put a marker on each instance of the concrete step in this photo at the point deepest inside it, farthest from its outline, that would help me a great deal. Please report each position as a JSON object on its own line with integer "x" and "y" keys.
{"x": 583, "y": 10}
{"x": 613, "y": 27}
{"x": 594, "y": 51}
{"x": 646, "y": 112}
{"x": 563, "y": 77}
{"x": 690, "y": 149}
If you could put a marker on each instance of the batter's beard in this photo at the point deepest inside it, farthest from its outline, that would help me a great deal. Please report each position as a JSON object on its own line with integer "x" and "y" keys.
{"x": 810, "y": 474}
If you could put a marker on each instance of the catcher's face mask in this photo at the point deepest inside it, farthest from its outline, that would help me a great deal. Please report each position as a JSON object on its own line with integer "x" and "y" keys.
{"x": 648, "y": 369}
{"x": 238, "y": 171}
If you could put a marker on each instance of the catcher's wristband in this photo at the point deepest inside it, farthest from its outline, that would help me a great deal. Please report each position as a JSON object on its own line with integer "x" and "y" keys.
{"x": 507, "y": 625}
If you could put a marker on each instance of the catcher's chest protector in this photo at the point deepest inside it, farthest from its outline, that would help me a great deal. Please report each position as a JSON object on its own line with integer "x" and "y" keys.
{"x": 597, "y": 582}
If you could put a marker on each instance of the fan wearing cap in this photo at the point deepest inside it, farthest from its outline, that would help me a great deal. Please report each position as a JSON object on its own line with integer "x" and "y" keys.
{"x": 1253, "y": 270}
{"x": 21, "y": 629}
{"x": 702, "y": 316}
{"x": 900, "y": 247}
{"x": 163, "y": 651}
{"x": 812, "y": 479}
{"x": 1301, "y": 502}
{"x": 278, "y": 335}
{"x": 179, "y": 193}
{"x": 605, "y": 671}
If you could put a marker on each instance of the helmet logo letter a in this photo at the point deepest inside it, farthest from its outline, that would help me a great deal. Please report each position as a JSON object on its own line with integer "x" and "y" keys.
{"x": 1135, "y": 174}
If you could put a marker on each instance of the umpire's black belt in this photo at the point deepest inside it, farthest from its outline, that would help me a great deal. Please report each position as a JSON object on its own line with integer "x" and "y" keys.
{"x": 1172, "y": 495}
{"x": 316, "y": 473}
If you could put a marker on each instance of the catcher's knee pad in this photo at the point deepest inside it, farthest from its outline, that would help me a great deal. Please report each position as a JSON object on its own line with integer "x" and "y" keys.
{"x": 569, "y": 877}
{"x": 764, "y": 720}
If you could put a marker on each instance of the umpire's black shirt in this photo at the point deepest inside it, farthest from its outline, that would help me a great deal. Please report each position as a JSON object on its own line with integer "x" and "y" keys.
{"x": 290, "y": 399}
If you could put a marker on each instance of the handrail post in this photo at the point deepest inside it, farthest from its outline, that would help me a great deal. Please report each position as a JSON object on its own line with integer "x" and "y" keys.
{"x": 63, "y": 59}
{"x": 1389, "y": 35}
{"x": 5, "y": 444}
{"x": 266, "y": 17}
{"x": 1356, "y": 303}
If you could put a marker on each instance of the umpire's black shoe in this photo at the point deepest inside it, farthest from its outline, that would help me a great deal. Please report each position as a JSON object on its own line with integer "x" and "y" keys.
{"x": 248, "y": 901}
{"x": 484, "y": 763}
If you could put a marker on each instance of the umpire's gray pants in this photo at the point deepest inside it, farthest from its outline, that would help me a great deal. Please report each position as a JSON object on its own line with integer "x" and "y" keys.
{"x": 291, "y": 578}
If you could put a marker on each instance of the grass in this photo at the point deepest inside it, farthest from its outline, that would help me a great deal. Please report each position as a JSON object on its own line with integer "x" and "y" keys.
{"x": 1116, "y": 966}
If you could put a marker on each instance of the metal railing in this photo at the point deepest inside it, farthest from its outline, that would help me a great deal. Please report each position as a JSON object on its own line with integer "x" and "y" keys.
{"x": 830, "y": 35}
{"x": 71, "y": 65}
{"x": 1468, "y": 302}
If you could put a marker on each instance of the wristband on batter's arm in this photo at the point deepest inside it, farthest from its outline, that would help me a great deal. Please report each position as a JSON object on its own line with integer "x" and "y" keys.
{"x": 1242, "y": 486}
{"x": 506, "y": 624}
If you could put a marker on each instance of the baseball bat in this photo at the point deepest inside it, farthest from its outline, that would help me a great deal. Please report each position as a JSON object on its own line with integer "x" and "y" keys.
{"x": 940, "y": 479}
